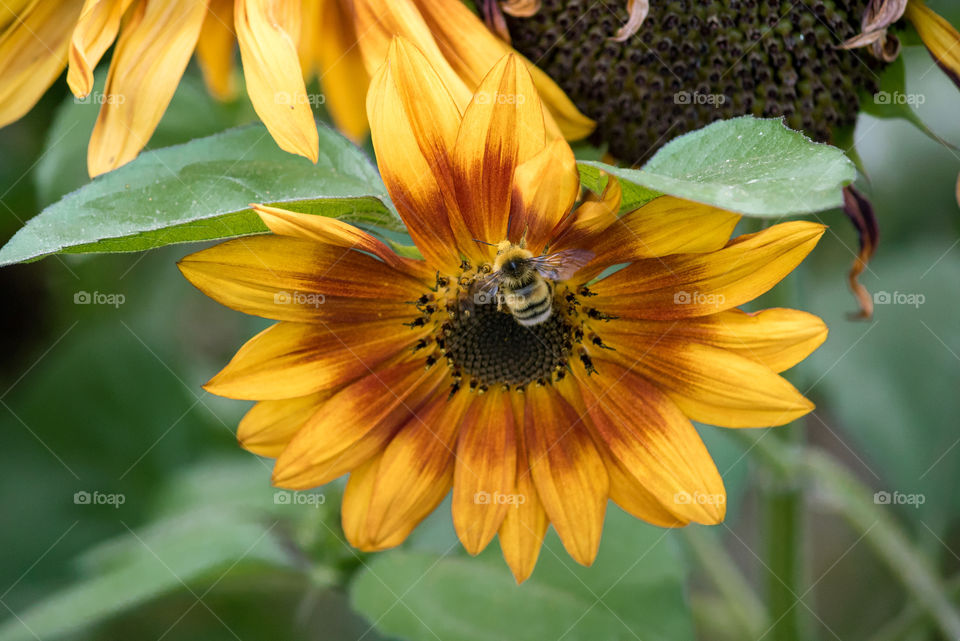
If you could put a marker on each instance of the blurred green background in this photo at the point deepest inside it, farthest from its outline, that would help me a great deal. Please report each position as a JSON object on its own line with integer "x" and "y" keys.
{"x": 106, "y": 400}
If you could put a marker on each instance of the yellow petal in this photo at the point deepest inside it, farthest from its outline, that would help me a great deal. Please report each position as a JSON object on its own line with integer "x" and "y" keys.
{"x": 95, "y": 31}
{"x": 270, "y": 425}
{"x": 356, "y": 504}
{"x": 298, "y": 280}
{"x": 413, "y": 125}
{"x": 664, "y": 226}
{"x": 149, "y": 58}
{"x": 544, "y": 190}
{"x": 485, "y": 471}
{"x": 416, "y": 470}
{"x": 33, "y": 52}
{"x": 570, "y": 477}
{"x": 472, "y": 50}
{"x": 524, "y": 525}
{"x": 296, "y": 359}
{"x": 216, "y": 50}
{"x": 654, "y": 443}
{"x": 502, "y": 128}
{"x": 589, "y": 219}
{"x": 341, "y": 70}
{"x": 11, "y": 10}
{"x": 690, "y": 285}
{"x": 777, "y": 338}
{"x": 267, "y": 31}
{"x": 712, "y": 385}
{"x": 939, "y": 36}
{"x": 356, "y": 423}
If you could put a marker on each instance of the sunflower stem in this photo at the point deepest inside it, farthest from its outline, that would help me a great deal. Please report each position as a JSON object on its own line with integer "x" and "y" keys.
{"x": 844, "y": 494}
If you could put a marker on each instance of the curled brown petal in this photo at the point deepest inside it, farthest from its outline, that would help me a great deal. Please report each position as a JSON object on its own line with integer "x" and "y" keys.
{"x": 493, "y": 16}
{"x": 637, "y": 10}
{"x": 860, "y": 212}
{"x": 520, "y": 8}
{"x": 879, "y": 15}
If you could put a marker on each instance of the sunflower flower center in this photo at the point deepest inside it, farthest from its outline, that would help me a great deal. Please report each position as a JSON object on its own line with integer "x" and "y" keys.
{"x": 484, "y": 346}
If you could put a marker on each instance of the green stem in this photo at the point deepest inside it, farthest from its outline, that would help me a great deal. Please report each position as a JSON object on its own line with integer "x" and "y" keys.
{"x": 741, "y": 601}
{"x": 846, "y": 495}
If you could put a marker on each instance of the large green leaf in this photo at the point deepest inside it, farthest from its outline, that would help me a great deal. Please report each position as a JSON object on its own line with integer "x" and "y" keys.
{"x": 201, "y": 190}
{"x": 757, "y": 167}
{"x": 633, "y": 590}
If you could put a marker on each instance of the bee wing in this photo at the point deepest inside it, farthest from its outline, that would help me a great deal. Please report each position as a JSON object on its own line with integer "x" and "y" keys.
{"x": 563, "y": 264}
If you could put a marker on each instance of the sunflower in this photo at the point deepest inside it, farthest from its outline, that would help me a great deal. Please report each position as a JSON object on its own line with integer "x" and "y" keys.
{"x": 392, "y": 370}
{"x": 282, "y": 43}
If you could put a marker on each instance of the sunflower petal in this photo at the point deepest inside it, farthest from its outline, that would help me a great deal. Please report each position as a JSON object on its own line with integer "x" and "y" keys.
{"x": 149, "y": 58}
{"x": 485, "y": 470}
{"x": 355, "y": 424}
{"x": 589, "y": 219}
{"x": 939, "y": 36}
{"x": 356, "y": 504}
{"x": 413, "y": 124}
{"x": 544, "y": 190}
{"x": 267, "y": 31}
{"x": 296, "y": 359}
{"x": 655, "y": 444}
{"x": 95, "y": 31}
{"x": 569, "y": 475}
{"x": 269, "y": 425}
{"x": 690, "y": 285}
{"x": 297, "y": 280}
{"x": 341, "y": 69}
{"x": 664, "y": 226}
{"x": 525, "y": 523}
{"x": 713, "y": 385}
{"x": 472, "y": 50}
{"x": 778, "y": 338}
{"x": 502, "y": 128}
{"x": 216, "y": 49}
{"x": 416, "y": 470}
{"x": 33, "y": 52}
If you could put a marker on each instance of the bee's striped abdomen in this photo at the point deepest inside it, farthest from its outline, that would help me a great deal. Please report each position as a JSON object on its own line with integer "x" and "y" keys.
{"x": 533, "y": 303}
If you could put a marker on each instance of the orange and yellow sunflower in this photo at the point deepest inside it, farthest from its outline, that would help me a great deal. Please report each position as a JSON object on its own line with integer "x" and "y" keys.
{"x": 388, "y": 369}
{"x": 281, "y": 43}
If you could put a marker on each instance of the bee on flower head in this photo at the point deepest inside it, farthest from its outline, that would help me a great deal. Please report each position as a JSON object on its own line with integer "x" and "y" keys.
{"x": 523, "y": 282}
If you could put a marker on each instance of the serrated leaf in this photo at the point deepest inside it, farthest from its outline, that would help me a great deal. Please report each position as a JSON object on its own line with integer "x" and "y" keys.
{"x": 757, "y": 167}
{"x": 201, "y": 190}
{"x": 633, "y": 590}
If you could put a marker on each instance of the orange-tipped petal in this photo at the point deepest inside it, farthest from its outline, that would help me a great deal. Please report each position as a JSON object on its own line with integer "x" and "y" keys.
{"x": 472, "y": 50}
{"x": 415, "y": 472}
{"x": 589, "y": 219}
{"x": 939, "y": 36}
{"x": 95, "y": 31}
{"x": 654, "y": 443}
{"x": 296, "y": 359}
{"x": 485, "y": 471}
{"x": 356, "y": 504}
{"x": 297, "y": 280}
{"x": 267, "y": 31}
{"x": 33, "y": 52}
{"x": 544, "y": 190}
{"x": 413, "y": 124}
{"x": 153, "y": 50}
{"x": 570, "y": 477}
{"x": 269, "y": 425}
{"x": 354, "y": 424}
{"x": 216, "y": 50}
{"x": 712, "y": 385}
{"x": 502, "y": 128}
{"x": 690, "y": 285}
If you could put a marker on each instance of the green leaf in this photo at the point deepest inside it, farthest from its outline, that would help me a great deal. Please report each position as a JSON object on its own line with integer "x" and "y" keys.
{"x": 149, "y": 563}
{"x": 633, "y": 590}
{"x": 201, "y": 190}
{"x": 757, "y": 167}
